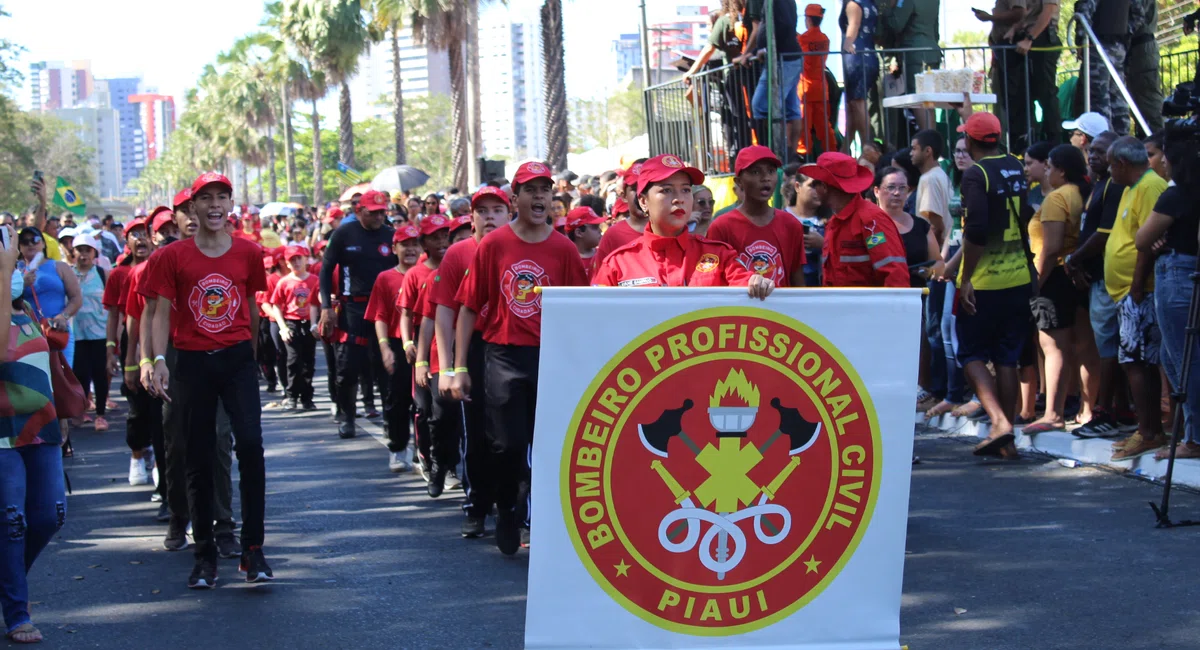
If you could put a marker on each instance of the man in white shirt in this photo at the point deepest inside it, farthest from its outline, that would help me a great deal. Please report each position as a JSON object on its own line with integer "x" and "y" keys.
{"x": 933, "y": 190}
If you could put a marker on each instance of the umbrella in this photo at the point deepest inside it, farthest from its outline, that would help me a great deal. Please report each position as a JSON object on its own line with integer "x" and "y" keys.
{"x": 361, "y": 188}
{"x": 278, "y": 208}
{"x": 400, "y": 178}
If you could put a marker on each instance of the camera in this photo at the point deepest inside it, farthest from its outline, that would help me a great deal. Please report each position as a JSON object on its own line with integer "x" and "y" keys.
{"x": 1183, "y": 107}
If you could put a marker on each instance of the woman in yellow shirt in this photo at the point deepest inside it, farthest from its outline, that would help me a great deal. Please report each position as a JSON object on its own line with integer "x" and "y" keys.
{"x": 1054, "y": 234}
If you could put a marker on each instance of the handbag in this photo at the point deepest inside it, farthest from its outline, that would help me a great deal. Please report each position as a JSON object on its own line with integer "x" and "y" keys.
{"x": 69, "y": 398}
{"x": 57, "y": 339}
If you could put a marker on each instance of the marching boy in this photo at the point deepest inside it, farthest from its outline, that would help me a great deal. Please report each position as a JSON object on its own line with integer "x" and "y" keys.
{"x": 293, "y": 306}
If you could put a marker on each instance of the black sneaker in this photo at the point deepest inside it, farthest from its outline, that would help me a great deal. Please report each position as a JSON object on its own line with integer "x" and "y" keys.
{"x": 164, "y": 513}
{"x": 176, "y": 539}
{"x": 524, "y": 537}
{"x": 308, "y": 405}
{"x": 508, "y": 533}
{"x": 1102, "y": 425}
{"x": 371, "y": 413}
{"x": 472, "y": 527}
{"x": 437, "y": 480}
{"x": 254, "y": 565}
{"x": 347, "y": 430}
{"x": 204, "y": 574}
{"x": 338, "y": 416}
{"x": 228, "y": 546}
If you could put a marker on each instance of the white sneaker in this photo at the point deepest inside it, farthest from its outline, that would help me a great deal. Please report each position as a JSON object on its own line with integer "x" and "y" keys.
{"x": 400, "y": 461}
{"x": 452, "y": 482}
{"x": 137, "y": 472}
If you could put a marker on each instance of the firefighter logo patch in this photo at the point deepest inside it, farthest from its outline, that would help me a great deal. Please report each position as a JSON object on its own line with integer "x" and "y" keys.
{"x": 708, "y": 263}
{"x": 519, "y": 286}
{"x": 672, "y": 162}
{"x": 763, "y": 258}
{"x": 720, "y": 471}
{"x": 214, "y": 302}
{"x": 300, "y": 297}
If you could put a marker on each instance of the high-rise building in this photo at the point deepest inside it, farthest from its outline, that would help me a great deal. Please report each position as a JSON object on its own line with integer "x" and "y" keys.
{"x": 687, "y": 32}
{"x": 133, "y": 139}
{"x": 422, "y": 72}
{"x": 629, "y": 54}
{"x": 100, "y": 130}
{"x": 157, "y": 121}
{"x": 55, "y": 84}
{"x": 510, "y": 85}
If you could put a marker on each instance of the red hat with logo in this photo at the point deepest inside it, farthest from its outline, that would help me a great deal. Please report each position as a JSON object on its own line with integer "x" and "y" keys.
{"x": 140, "y": 222}
{"x": 403, "y": 233}
{"x": 531, "y": 170}
{"x": 295, "y": 251}
{"x": 660, "y": 168}
{"x": 181, "y": 198}
{"x": 983, "y": 127}
{"x": 210, "y": 178}
{"x": 630, "y": 176}
{"x": 814, "y": 10}
{"x": 162, "y": 219}
{"x": 494, "y": 192}
{"x": 582, "y": 216}
{"x": 373, "y": 201}
{"x": 433, "y": 223}
{"x": 620, "y": 207}
{"x": 841, "y": 171}
{"x": 333, "y": 215}
{"x": 464, "y": 221}
{"x": 753, "y": 154}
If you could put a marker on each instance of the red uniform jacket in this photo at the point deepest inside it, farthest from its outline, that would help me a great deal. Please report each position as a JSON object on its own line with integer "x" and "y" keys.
{"x": 863, "y": 248}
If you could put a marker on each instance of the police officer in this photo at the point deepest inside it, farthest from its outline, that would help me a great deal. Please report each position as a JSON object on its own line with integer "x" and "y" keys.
{"x": 1110, "y": 20}
{"x": 361, "y": 249}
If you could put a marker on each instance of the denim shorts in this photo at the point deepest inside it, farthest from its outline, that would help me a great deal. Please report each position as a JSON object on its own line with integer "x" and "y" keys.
{"x": 791, "y": 69}
{"x": 998, "y": 330}
{"x": 1105, "y": 324}
{"x": 861, "y": 72}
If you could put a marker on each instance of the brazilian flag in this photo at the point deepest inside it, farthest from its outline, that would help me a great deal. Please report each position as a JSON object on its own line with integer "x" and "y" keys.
{"x": 66, "y": 198}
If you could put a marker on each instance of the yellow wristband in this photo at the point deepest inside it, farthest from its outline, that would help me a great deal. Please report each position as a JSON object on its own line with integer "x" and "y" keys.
{"x": 458, "y": 370}
{"x": 131, "y": 368}
{"x": 146, "y": 362}
{"x": 422, "y": 364}
{"x": 408, "y": 343}
{"x": 109, "y": 344}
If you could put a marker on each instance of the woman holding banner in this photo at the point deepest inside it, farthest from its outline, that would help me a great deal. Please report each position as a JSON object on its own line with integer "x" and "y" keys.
{"x": 667, "y": 255}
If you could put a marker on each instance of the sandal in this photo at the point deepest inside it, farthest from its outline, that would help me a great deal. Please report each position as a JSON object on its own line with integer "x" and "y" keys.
{"x": 967, "y": 410}
{"x": 68, "y": 451}
{"x": 992, "y": 446}
{"x": 27, "y": 632}
{"x": 941, "y": 408}
{"x": 1041, "y": 427}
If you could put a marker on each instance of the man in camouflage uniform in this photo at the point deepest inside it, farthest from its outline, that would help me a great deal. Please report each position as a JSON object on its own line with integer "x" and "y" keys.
{"x": 1111, "y": 21}
{"x": 1142, "y": 62}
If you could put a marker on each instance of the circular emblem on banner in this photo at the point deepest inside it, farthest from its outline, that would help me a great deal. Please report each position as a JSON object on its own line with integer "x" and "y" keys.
{"x": 720, "y": 471}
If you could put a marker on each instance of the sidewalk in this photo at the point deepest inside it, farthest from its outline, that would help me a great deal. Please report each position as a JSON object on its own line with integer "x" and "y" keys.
{"x": 1062, "y": 444}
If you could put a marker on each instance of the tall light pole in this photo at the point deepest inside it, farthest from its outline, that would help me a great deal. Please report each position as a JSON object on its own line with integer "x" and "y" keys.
{"x": 645, "y": 48}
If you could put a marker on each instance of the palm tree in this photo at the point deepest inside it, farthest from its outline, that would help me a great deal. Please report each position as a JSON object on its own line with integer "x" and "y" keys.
{"x": 388, "y": 16}
{"x": 252, "y": 94}
{"x": 555, "y": 84}
{"x": 438, "y": 24}
{"x": 305, "y": 27}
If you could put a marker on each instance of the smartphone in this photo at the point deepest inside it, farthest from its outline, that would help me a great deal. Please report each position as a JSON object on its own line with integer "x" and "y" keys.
{"x": 4, "y": 238}
{"x": 37, "y": 176}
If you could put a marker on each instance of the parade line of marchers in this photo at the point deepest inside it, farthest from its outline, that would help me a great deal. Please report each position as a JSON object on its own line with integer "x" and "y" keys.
{"x": 709, "y": 422}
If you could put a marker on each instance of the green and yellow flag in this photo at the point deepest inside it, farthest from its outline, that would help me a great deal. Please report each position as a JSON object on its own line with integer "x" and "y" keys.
{"x": 65, "y": 197}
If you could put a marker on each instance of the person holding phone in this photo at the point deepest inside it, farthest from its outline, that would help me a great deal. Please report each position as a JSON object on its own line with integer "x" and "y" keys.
{"x": 38, "y": 187}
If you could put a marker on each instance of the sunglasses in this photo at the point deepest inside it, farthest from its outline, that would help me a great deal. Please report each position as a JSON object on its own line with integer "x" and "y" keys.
{"x": 29, "y": 242}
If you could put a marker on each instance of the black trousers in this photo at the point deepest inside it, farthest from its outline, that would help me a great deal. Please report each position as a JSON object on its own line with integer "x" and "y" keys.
{"x": 266, "y": 354}
{"x": 510, "y": 384}
{"x": 203, "y": 378}
{"x": 445, "y": 427}
{"x": 478, "y": 478}
{"x": 279, "y": 355}
{"x": 398, "y": 405}
{"x": 301, "y": 358}
{"x": 354, "y": 361}
{"x": 91, "y": 367}
{"x": 422, "y": 414}
{"x": 331, "y": 370}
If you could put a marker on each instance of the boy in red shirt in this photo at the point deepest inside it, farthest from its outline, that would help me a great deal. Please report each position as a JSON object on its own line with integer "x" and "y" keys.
{"x": 510, "y": 267}
{"x": 583, "y": 228}
{"x": 293, "y": 306}
{"x": 460, "y": 228}
{"x": 446, "y": 415}
{"x": 490, "y": 209}
{"x": 769, "y": 242}
{"x": 434, "y": 238}
{"x": 383, "y": 309}
{"x": 203, "y": 288}
{"x": 274, "y": 368}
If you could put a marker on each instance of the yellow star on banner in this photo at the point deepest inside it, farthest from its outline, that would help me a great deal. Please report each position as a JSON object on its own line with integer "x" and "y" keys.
{"x": 813, "y": 563}
{"x": 622, "y": 568}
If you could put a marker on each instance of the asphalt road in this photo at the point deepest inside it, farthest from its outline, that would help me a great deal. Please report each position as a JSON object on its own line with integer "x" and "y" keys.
{"x": 1038, "y": 556}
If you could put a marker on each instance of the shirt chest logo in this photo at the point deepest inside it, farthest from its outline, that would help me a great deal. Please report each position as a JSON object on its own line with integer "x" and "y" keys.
{"x": 762, "y": 257}
{"x": 215, "y": 303}
{"x": 707, "y": 264}
{"x": 300, "y": 296}
{"x": 519, "y": 285}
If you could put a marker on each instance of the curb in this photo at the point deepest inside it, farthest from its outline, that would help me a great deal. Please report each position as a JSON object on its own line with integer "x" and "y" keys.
{"x": 1061, "y": 444}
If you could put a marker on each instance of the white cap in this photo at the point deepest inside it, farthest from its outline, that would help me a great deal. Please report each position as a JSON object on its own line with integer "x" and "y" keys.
{"x": 1092, "y": 124}
{"x": 87, "y": 240}
{"x": 67, "y": 232}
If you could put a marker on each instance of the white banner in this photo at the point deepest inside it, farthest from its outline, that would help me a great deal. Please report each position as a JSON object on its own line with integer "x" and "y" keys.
{"x": 712, "y": 471}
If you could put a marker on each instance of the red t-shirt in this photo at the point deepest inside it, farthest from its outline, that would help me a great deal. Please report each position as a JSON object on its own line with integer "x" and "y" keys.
{"x": 210, "y": 295}
{"x": 248, "y": 236}
{"x": 118, "y": 279}
{"x": 294, "y": 296}
{"x": 133, "y": 303}
{"x": 683, "y": 261}
{"x": 502, "y": 279}
{"x": 263, "y": 297}
{"x": 450, "y": 276}
{"x": 384, "y": 304}
{"x": 617, "y": 235}
{"x": 774, "y": 251}
{"x": 427, "y": 309}
{"x": 410, "y": 293}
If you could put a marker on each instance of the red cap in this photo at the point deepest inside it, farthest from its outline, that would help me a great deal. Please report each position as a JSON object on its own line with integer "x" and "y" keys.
{"x": 814, "y": 10}
{"x": 210, "y": 178}
{"x": 295, "y": 251}
{"x": 373, "y": 201}
{"x": 134, "y": 223}
{"x": 630, "y": 176}
{"x": 181, "y": 198}
{"x": 620, "y": 207}
{"x": 461, "y": 222}
{"x": 583, "y": 216}
{"x": 660, "y": 168}
{"x": 156, "y": 210}
{"x": 403, "y": 233}
{"x": 840, "y": 171}
{"x": 530, "y": 171}
{"x": 983, "y": 127}
{"x": 161, "y": 220}
{"x": 333, "y": 215}
{"x": 434, "y": 223}
{"x": 752, "y": 154}
{"x": 268, "y": 259}
{"x": 494, "y": 192}
{"x": 319, "y": 246}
